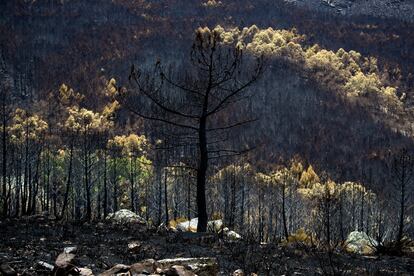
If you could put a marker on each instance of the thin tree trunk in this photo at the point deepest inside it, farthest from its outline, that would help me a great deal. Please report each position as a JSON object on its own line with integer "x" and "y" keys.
{"x": 115, "y": 188}
{"x": 167, "y": 218}
{"x": 201, "y": 178}
{"x": 132, "y": 184}
{"x": 105, "y": 199}
{"x": 87, "y": 185}
{"x": 4, "y": 147}
{"x": 285, "y": 228}
{"x": 68, "y": 182}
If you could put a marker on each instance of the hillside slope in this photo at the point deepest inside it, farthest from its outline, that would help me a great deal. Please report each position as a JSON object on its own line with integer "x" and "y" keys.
{"x": 80, "y": 43}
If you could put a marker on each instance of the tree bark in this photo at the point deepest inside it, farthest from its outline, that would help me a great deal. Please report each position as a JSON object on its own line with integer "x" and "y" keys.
{"x": 201, "y": 178}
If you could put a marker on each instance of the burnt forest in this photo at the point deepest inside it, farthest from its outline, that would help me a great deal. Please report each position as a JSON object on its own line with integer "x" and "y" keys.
{"x": 206, "y": 137}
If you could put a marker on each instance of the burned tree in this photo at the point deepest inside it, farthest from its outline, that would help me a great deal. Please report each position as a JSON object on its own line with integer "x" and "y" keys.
{"x": 193, "y": 106}
{"x": 403, "y": 173}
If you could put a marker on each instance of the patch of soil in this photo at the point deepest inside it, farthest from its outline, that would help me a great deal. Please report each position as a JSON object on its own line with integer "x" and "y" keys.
{"x": 23, "y": 243}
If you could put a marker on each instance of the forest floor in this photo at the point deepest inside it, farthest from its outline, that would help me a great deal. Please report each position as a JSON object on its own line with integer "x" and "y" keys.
{"x": 23, "y": 243}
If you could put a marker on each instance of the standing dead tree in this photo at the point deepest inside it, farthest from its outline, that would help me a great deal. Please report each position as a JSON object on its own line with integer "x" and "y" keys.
{"x": 403, "y": 173}
{"x": 217, "y": 81}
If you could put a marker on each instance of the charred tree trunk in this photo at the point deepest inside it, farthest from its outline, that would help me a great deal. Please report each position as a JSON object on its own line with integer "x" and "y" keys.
{"x": 285, "y": 228}
{"x": 201, "y": 178}
{"x": 105, "y": 197}
{"x": 4, "y": 157}
{"x": 131, "y": 177}
{"x": 68, "y": 182}
{"x": 167, "y": 218}
{"x": 115, "y": 187}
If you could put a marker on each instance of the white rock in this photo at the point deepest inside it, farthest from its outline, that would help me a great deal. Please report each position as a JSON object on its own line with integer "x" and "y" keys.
{"x": 125, "y": 216}
{"x": 360, "y": 243}
{"x": 238, "y": 272}
{"x": 215, "y": 225}
{"x": 134, "y": 246}
{"x": 70, "y": 249}
{"x": 46, "y": 265}
{"x": 191, "y": 225}
{"x": 85, "y": 271}
{"x": 200, "y": 266}
{"x": 233, "y": 235}
{"x": 188, "y": 226}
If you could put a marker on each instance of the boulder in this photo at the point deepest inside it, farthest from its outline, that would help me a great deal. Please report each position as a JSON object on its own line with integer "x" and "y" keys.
{"x": 64, "y": 260}
{"x": 179, "y": 270}
{"x": 134, "y": 246}
{"x": 360, "y": 243}
{"x": 145, "y": 267}
{"x": 125, "y": 216}
{"x": 85, "y": 271}
{"x": 191, "y": 225}
{"x": 118, "y": 269}
{"x": 45, "y": 265}
{"x": 238, "y": 272}
{"x": 232, "y": 235}
{"x": 215, "y": 226}
{"x": 199, "y": 266}
{"x": 70, "y": 249}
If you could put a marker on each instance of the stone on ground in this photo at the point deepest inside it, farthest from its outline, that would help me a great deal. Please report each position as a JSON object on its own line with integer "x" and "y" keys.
{"x": 189, "y": 225}
{"x": 360, "y": 243}
{"x": 179, "y": 270}
{"x": 238, "y": 272}
{"x": 85, "y": 271}
{"x": 119, "y": 268}
{"x": 134, "y": 246}
{"x": 145, "y": 267}
{"x": 199, "y": 266}
{"x": 125, "y": 216}
{"x": 45, "y": 265}
{"x": 232, "y": 235}
{"x": 65, "y": 260}
{"x": 70, "y": 249}
{"x": 213, "y": 226}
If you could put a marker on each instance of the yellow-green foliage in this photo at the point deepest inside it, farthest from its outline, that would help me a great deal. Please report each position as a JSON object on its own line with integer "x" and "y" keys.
{"x": 131, "y": 145}
{"x": 111, "y": 89}
{"x": 25, "y": 126}
{"x": 342, "y": 71}
{"x": 83, "y": 120}
{"x": 352, "y": 189}
{"x": 233, "y": 170}
{"x": 317, "y": 190}
{"x": 309, "y": 177}
{"x": 68, "y": 96}
{"x": 300, "y": 237}
{"x": 212, "y": 4}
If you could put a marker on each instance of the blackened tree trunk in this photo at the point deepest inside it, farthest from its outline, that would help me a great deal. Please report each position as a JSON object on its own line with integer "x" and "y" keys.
{"x": 167, "y": 217}
{"x": 105, "y": 184}
{"x": 403, "y": 172}
{"x": 285, "y": 228}
{"x": 131, "y": 177}
{"x": 68, "y": 182}
{"x": 201, "y": 178}
{"x": 86, "y": 179}
{"x": 216, "y": 83}
{"x": 4, "y": 157}
{"x": 115, "y": 187}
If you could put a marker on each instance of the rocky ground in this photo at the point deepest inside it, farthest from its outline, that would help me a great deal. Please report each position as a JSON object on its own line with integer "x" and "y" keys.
{"x": 391, "y": 9}
{"x": 29, "y": 246}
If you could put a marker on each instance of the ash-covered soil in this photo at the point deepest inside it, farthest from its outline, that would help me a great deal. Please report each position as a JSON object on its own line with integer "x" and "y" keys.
{"x": 100, "y": 246}
{"x": 402, "y": 10}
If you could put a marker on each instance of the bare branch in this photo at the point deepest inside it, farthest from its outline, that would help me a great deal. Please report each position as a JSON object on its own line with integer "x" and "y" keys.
{"x": 232, "y": 126}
